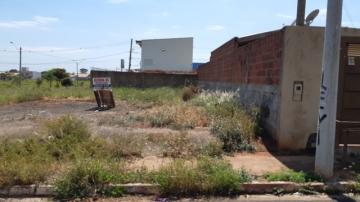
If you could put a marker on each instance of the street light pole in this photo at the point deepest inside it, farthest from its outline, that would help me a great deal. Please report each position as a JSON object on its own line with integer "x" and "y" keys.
{"x": 77, "y": 70}
{"x": 20, "y": 75}
{"x": 77, "y": 73}
{"x": 20, "y": 58}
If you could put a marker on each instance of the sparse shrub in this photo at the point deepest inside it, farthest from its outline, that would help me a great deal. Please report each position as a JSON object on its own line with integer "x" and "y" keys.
{"x": 67, "y": 126}
{"x": 214, "y": 148}
{"x": 293, "y": 176}
{"x": 231, "y": 135}
{"x": 85, "y": 179}
{"x": 16, "y": 80}
{"x": 184, "y": 145}
{"x": 179, "y": 146}
{"x": 29, "y": 95}
{"x": 357, "y": 184}
{"x": 152, "y": 96}
{"x": 68, "y": 138}
{"x": 125, "y": 146}
{"x": 66, "y": 82}
{"x": 233, "y": 127}
{"x": 189, "y": 92}
{"x": 180, "y": 116}
{"x": 23, "y": 162}
{"x": 207, "y": 176}
{"x": 38, "y": 82}
{"x": 161, "y": 119}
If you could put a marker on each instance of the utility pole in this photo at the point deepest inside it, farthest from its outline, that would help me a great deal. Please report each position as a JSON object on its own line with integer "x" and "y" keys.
{"x": 20, "y": 75}
{"x": 77, "y": 73}
{"x": 325, "y": 143}
{"x": 131, "y": 44}
{"x": 300, "y": 18}
{"x": 20, "y": 58}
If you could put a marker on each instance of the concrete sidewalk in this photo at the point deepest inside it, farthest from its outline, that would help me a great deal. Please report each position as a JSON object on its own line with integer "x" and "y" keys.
{"x": 260, "y": 163}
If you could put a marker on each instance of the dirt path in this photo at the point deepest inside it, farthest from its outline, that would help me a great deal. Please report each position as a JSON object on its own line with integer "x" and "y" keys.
{"x": 18, "y": 120}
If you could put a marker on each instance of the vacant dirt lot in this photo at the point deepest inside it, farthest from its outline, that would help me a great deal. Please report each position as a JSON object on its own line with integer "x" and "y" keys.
{"x": 23, "y": 119}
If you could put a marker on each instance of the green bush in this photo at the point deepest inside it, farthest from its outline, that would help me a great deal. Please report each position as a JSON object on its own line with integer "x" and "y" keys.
{"x": 207, "y": 176}
{"x": 38, "y": 82}
{"x": 67, "y": 126}
{"x": 24, "y": 162}
{"x": 66, "y": 82}
{"x": 87, "y": 178}
{"x": 293, "y": 176}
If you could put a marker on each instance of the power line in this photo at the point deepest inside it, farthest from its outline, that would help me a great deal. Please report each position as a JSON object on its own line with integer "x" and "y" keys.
{"x": 348, "y": 15}
{"x": 71, "y": 61}
{"x": 82, "y": 48}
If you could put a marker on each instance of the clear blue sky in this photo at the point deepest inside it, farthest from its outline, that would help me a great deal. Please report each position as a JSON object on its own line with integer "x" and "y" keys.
{"x": 55, "y": 32}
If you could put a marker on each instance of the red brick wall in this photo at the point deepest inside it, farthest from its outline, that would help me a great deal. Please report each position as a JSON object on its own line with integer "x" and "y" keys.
{"x": 257, "y": 62}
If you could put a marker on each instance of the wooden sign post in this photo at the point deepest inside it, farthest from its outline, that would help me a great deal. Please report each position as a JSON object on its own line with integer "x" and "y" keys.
{"x": 103, "y": 92}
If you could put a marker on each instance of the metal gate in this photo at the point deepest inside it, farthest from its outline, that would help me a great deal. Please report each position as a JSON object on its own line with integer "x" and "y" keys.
{"x": 348, "y": 113}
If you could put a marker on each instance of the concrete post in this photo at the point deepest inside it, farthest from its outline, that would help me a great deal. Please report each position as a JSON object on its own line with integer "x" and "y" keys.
{"x": 300, "y": 16}
{"x": 325, "y": 147}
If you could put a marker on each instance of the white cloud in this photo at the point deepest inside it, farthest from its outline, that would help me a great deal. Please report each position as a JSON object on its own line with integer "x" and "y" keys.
{"x": 215, "y": 28}
{"x": 45, "y": 20}
{"x": 117, "y": 1}
{"x": 36, "y": 21}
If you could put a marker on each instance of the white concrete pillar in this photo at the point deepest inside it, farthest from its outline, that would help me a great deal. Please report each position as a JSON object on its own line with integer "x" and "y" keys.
{"x": 325, "y": 147}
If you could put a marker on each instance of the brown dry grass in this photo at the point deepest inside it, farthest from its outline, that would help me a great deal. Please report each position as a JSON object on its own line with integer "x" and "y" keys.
{"x": 181, "y": 116}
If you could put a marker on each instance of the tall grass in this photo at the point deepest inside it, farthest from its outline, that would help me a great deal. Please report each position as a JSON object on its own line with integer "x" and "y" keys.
{"x": 233, "y": 125}
{"x": 160, "y": 95}
{"x": 207, "y": 176}
{"x": 29, "y": 91}
{"x": 180, "y": 116}
{"x": 293, "y": 176}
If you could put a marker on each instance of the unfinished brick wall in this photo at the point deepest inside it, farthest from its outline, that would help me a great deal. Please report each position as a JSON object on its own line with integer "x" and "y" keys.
{"x": 253, "y": 62}
{"x": 146, "y": 79}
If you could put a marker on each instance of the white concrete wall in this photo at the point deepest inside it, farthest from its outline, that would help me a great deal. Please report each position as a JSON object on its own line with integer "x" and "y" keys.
{"x": 167, "y": 54}
{"x": 303, "y": 51}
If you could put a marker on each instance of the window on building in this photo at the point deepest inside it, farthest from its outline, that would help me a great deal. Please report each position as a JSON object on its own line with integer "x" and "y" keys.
{"x": 353, "y": 53}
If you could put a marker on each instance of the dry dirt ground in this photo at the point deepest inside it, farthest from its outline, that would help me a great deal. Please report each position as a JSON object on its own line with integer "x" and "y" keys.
{"x": 20, "y": 120}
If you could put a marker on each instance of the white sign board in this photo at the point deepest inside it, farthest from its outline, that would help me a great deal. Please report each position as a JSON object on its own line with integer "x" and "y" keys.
{"x": 101, "y": 83}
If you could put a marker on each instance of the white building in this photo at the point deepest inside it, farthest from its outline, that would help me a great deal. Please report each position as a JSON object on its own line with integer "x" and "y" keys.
{"x": 174, "y": 54}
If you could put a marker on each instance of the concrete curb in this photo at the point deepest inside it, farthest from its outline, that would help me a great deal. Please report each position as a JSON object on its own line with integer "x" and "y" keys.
{"x": 153, "y": 189}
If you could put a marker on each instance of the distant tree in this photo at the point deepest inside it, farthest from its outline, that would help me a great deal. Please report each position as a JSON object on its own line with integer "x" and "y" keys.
{"x": 5, "y": 76}
{"x": 13, "y": 71}
{"x": 56, "y": 74}
{"x": 59, "y": 74}
{"x": 48, "y": 76}
{"x": 83, "y": 70}
{"x": 66, "y": 82}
